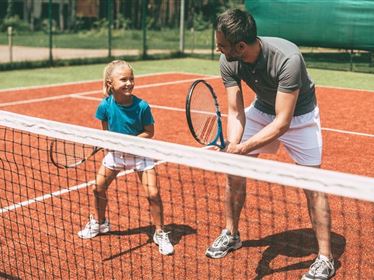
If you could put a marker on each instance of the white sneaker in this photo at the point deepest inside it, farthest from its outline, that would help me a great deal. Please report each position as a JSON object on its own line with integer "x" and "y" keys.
{"x": 321, "y": 269}
{"x": 93, "y": 228}
{"x": 223, "y": 244}
{"x": 161, "y": 238}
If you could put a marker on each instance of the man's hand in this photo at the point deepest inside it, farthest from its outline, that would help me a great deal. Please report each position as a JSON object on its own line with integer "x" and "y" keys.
{"x": 233, "y": 148}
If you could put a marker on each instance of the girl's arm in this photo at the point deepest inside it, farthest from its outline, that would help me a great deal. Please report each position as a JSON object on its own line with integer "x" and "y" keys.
{"x": 104, "y": 125}
{"x": 149, "y": 131}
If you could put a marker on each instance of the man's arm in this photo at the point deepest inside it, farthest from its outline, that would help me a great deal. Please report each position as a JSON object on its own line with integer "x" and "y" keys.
{"x": 284, "y": 109}
{"x": 236, "y": 116}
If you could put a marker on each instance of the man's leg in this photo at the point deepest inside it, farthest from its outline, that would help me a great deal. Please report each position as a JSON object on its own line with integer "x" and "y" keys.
{"x": 229, "y": 238}
{"x": 320, "y": 217}
{"x": 234, "y": 200}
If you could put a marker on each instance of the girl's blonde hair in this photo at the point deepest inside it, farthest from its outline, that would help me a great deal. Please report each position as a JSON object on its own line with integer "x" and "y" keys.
{"x": 108, "y": 70}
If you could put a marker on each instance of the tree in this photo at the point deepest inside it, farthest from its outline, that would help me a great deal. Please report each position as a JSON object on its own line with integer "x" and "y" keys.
{"x": 10, "y": 9}
{"x": 71, "y": 14}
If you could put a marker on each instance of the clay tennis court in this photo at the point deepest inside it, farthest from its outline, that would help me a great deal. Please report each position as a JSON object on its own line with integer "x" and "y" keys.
{"x": 273, "y": 217}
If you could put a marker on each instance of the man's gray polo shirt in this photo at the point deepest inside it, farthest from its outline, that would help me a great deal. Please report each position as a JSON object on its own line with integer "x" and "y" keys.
{"x": 279, "y": 67}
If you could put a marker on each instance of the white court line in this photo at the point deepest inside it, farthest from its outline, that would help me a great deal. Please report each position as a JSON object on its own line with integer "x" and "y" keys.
{"x": 348, "y": 132}
{"x": 92, "y": 81}
{"x": 81, "y": 95}
{"x": 42, "y": 99}
{"x": 60, "y": 192}
{"x": 343, "y": 88}
{"x": 51, "y": 98}
{"x": 317, "y": 86}
{"x": 46, "y": 196}
{"x": 155, "y": 74}
{"x": 225, "y": 115}
{"x": 63, "y": 191}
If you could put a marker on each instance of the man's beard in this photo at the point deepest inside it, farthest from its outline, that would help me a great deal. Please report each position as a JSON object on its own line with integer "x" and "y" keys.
{"x": 233, "y": 58}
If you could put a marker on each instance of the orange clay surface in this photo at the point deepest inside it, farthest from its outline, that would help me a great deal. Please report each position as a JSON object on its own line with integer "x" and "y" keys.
{"x": 348, "y": 129}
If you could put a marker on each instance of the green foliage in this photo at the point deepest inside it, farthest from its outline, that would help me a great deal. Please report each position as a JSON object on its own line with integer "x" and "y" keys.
{"x": 122, "y": 23}
{"x": 200, "y": 22}
{"x": 101, "y": 24}
{"x": 17, "y": 24}
{"x": 135, "y": 35}
{"x": 45, "y": 26}
{"x": 10, "y": 9}
{"x": 79, "y": 24}
{"x": 82, "y": 24}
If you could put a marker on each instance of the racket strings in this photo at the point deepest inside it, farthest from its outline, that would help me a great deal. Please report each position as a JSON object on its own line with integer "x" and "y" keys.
{"x": 203, "y": 114}
{"x": 208, "y": 131}
{"x": 66, "y": 153}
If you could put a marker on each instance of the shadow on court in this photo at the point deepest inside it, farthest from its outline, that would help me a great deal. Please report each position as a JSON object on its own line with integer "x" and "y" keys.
{"x": 293, "y": 243}
{"x": 7, "y": 276}
{"x": 177, "y": 232}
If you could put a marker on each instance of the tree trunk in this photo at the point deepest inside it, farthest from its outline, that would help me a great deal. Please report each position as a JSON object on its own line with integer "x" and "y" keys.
{"x": 117, "y": 13}
{"x": 61, "y": 15}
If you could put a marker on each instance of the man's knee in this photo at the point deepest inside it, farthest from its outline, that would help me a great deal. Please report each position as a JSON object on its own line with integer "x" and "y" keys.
{"x": 236, "y": 184}
{"x": 315, "y": 196}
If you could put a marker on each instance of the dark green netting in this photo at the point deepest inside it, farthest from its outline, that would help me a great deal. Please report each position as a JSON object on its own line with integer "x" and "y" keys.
{"x": 345, "y": 24}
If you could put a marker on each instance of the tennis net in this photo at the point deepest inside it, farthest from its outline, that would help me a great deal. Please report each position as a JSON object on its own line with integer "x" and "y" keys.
{"x": 43, "y": 208}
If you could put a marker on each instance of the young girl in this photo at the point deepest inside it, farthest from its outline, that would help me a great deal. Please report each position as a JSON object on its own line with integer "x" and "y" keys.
{"x": 121, "y": 111}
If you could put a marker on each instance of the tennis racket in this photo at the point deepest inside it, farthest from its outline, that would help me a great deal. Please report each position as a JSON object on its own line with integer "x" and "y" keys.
{"x": 66, "y": 154}
{"x": 203, "y": 115}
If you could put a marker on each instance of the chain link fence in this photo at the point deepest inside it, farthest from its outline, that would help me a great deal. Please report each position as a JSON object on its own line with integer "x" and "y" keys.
{"x": 65, "y": 32}
{"x": 51, "y": 30}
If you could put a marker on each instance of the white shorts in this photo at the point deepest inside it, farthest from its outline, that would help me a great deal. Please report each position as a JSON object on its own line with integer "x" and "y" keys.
{"x": 303, "y": 140}
{"x": 121, "y": 161}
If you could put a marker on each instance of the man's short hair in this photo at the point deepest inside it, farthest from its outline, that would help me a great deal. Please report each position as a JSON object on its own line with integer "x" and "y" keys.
{"x": 237, "y": 25}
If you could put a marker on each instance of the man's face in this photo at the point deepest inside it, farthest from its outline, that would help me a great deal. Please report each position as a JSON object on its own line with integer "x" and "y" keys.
{"x": 231, "y": 51}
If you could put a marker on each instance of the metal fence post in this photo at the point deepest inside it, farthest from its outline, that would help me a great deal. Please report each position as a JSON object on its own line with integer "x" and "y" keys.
{"x": 10, "y": 43}
{"x": 144, "y": 26}
{"x": 50, "y": 32}
{"x": 110, "y": 25}
{"x": 181, "y": 28}
{"x": 213, "y": 46}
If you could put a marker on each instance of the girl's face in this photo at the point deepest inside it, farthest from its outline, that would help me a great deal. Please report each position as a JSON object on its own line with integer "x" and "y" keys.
{"x": 122, "y": 82}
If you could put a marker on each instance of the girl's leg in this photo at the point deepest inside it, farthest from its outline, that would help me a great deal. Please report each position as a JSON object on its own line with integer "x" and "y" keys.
{"x": 103, "y": 179}
{"x": 150, "y": 185}
{"x": 99, "y": 224}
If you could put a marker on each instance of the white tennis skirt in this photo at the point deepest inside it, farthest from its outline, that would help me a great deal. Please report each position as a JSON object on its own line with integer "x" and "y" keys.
{"x": 122, "y": 161}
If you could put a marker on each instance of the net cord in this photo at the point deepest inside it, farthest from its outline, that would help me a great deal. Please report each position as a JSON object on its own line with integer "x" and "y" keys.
{"x": 332, "y": 182}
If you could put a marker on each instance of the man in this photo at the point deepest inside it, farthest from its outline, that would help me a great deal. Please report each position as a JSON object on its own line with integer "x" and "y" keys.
{"x": 285, "y": 111}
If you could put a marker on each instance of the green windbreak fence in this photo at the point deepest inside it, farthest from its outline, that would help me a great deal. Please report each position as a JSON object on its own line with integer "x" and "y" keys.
{"x": 343, "y": 24}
